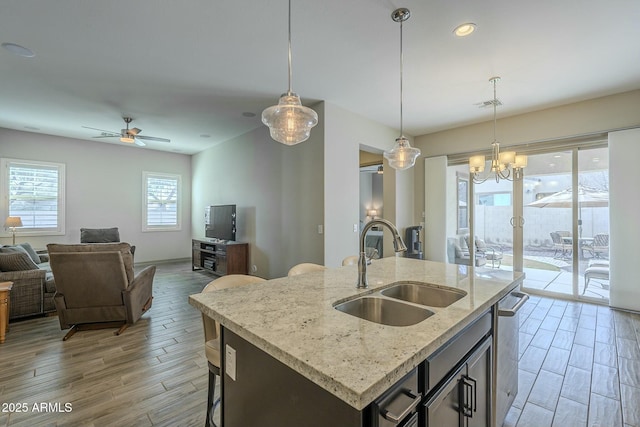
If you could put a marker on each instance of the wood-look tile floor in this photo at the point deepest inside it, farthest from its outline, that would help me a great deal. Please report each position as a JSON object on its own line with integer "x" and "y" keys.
{"x": 579, "y": 366}
{"x": 155, "y": 373}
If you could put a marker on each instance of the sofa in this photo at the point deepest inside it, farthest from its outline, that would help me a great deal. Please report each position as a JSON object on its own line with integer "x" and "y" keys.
{"x": 458, "y": 251}
{"x": 33, "y": 283}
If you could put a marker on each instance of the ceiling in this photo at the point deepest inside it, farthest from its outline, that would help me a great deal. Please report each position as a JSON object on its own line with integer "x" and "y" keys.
{"x": 188, "y": 70}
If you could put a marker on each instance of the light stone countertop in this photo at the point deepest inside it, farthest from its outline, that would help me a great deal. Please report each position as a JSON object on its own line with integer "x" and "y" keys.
{"x": 293, "y": 320}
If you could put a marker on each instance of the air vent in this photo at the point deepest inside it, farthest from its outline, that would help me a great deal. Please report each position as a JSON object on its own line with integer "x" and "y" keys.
{"x": 489, "y": 103}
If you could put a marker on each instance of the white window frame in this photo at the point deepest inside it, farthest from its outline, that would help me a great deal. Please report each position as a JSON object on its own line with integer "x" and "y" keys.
{"x": 59, "y": 229}
{"x": 145, "y": 207}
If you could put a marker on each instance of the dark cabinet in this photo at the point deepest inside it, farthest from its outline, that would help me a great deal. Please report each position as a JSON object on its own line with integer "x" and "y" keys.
{"x": 464, "y": 399}
{"x": 220, "y": 258}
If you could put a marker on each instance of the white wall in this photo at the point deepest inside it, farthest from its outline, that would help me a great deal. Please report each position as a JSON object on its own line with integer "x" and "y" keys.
{"x": 345, "y": 132}
{"x": 624, "y": 150}
{"x": 104, "y": 189}
{"x": 436, "y": 193}
{"x": 278, "y": 193}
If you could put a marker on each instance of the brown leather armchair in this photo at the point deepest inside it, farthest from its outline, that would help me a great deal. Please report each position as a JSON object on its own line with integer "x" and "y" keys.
{"x": 96, "y": 286}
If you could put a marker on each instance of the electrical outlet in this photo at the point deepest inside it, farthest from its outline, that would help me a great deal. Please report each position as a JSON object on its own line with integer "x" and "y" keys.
{"x": 230, "y": 362}
{"x": 355, "y": 228}
{"x": 254, "y": 268}
{"x": 320, "y": 229}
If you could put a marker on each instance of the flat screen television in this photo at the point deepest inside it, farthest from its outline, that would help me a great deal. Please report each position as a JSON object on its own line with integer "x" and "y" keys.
{"x": 220, "y": 222}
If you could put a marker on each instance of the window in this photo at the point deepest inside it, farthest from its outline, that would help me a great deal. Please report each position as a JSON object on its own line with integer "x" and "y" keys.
{"x": 34, "y": 191}
{"x": 161, "y": 204}
{"x": 463, "y": 197}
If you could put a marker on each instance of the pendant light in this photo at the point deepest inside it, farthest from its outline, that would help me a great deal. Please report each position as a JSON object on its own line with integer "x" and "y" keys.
{"x": 506, "y": 165}
{"x": 289, "y": 122}
{"x": 402, "y": 156}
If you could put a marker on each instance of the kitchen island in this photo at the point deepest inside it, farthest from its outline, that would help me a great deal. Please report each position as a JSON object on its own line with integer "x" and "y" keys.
{"x": 292, "y": 320}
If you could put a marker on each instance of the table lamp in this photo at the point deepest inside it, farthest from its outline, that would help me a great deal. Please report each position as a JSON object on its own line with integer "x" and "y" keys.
{"x": 11, "y": 223}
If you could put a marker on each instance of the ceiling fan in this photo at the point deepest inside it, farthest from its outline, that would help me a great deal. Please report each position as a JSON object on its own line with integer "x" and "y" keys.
{"x": 131, "y": 136}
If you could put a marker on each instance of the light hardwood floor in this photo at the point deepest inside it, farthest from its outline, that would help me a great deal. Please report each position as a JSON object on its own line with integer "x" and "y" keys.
{"x": 579, "y": 366}
{"x": 155, "y": 373}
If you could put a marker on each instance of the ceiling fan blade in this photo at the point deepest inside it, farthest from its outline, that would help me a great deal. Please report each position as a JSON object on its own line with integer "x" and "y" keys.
{"x": 152, "y": 138}
{"x": 136, "y": 140}
{"x": 102, "y": 130}
{"x": 106, "y": 136}
{"x": 134, "y": 131}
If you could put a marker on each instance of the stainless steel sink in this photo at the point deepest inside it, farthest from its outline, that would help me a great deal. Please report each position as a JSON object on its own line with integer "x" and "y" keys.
{"x": 424, "y": 293}
{"x": 384, "y": 311}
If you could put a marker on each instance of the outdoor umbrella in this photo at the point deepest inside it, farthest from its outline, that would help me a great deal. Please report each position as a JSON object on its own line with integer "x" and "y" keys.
{"x": 587, "y": 198}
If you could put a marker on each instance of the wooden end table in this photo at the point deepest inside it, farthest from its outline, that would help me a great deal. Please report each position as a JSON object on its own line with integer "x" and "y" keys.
{"x": 5, "y": 289}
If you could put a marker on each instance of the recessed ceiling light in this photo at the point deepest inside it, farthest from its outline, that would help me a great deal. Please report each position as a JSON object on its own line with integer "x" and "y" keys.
{"x": 16, "y": 49}
{"x": 248, "y": 114}
{"x": 204, "y": 135}
{"x": 465, "y": 29}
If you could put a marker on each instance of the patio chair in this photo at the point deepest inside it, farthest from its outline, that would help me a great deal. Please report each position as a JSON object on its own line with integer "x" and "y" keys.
{"x": 596, "y": 271}
{"x": 490, "y": 253}
{"x": 560, "y": 244}
{"x": 599, "y": 248}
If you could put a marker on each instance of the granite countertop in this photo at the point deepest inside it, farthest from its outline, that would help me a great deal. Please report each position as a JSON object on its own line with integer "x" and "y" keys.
{"x": 293, "y": 320}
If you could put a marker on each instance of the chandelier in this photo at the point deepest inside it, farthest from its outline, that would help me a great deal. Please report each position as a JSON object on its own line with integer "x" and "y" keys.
{"x": 289, "y": 122}
{"x": 506, "y": 165}
{"x": 402, "y": 156}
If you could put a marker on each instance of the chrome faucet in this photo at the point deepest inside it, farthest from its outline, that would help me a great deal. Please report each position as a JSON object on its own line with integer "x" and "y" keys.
{"x": 398, "y": 245}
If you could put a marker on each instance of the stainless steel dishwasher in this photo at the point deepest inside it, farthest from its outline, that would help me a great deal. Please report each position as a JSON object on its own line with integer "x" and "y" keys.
{"x": 506, "y": 353}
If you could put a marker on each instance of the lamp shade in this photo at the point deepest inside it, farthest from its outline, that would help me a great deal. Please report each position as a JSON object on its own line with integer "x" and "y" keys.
{"x": 402, "y": 156}
{"x": 507, "y": 157}
{"x": 289, "y": 122}
{"x": 521, "y": 161}
{"x": 13, "y": 221}
{"x": 476, "y": 163}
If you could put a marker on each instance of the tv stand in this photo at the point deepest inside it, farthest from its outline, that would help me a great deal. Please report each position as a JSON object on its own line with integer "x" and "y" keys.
{"x": 219, "y": 257}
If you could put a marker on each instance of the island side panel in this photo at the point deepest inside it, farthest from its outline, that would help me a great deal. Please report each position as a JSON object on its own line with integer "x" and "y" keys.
{"x": 267, "y": 393}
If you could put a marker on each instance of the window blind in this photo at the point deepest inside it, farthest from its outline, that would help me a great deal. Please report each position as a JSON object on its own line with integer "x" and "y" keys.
{"x": 162, "y": 201}
{"x": 34, "y": 194}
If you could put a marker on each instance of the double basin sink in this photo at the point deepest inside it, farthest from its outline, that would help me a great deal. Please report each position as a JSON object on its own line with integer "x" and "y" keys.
{"x": 394, "y": 310}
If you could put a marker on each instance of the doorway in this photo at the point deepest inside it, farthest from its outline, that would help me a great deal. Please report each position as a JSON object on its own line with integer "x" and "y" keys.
{"x": 371, "y": 200}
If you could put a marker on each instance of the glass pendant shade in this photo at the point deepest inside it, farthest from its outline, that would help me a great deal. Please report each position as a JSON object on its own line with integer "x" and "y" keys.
{"x": 402, "y": 156}
{"x": 289, "y": 122}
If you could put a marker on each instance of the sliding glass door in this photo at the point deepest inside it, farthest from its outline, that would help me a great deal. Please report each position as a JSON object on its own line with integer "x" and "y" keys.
{"x": 553, "y": 224}
{"x": 565, "y": 226}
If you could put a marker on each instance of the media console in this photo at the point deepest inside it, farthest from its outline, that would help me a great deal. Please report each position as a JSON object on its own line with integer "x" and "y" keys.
{"x": 219, "y": 258}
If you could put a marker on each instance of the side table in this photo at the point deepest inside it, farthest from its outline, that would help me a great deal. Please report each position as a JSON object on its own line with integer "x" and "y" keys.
{"x": 5, "y": 289}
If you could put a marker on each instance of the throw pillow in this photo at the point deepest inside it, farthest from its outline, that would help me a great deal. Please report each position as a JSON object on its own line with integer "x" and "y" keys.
{"x": 10, "y": 249}
{"x": 16, "y": 261}
{"x": 32, "y": 252}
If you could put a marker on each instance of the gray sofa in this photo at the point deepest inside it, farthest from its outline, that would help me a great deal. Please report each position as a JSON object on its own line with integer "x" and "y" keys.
{"x": 33, "y": 283}
{"x": 458, "y": 251}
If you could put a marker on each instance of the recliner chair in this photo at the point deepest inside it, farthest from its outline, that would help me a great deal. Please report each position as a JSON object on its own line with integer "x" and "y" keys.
{"x": 96, "y": 286}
